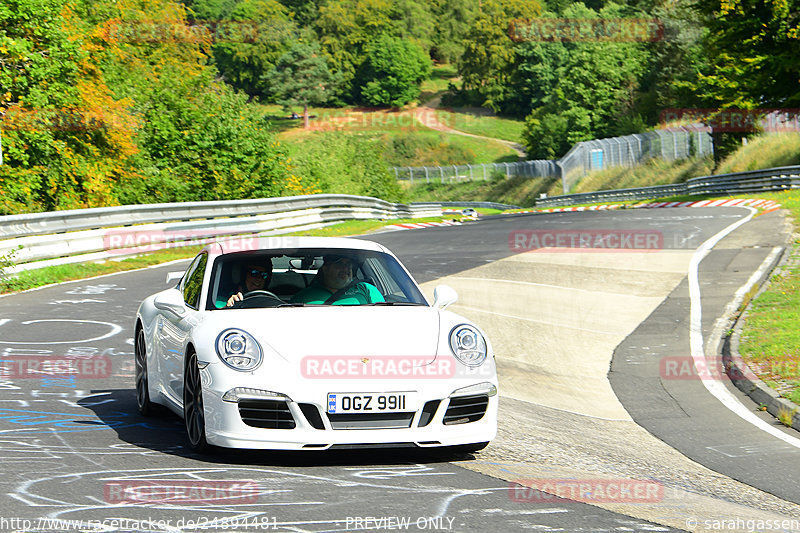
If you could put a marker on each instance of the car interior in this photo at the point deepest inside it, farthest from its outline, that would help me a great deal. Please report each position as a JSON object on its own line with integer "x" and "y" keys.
{"x": 292, "y": 272}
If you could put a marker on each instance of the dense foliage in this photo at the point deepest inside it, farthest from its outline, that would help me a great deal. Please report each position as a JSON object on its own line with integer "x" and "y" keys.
{"x": 116, "y": 101}
{"x": 104, "y": 106}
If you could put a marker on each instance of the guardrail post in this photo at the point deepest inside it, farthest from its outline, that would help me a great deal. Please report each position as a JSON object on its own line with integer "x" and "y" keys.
{"x": 427, "y": 180}
{"x": 441, "y": 174}
{"x": 470, "y": 171}
{"x": 484, "y": 171}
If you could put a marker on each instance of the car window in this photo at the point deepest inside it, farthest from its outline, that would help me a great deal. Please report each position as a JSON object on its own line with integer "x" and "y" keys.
{"x": 193, "y": 284}
{"x": 296, "y": 279}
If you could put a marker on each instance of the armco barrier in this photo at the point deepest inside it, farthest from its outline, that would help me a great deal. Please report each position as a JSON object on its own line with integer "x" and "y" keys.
{"x": 766, "y": 180}
{"x": 484, "y": 205}
{"x": 42, "y": 239}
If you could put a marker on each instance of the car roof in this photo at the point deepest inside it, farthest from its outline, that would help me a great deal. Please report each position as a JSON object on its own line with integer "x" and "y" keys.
{"x": 277, "y": 242}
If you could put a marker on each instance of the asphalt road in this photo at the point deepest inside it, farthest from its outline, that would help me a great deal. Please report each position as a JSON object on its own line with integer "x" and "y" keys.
{"x": 67, "y": 445}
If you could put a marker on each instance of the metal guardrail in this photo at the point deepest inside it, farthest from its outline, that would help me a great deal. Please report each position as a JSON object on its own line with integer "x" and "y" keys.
{"x": 485, "y": 205}
{"x": 766, "y": 180}
{"x": 41, "y": 239}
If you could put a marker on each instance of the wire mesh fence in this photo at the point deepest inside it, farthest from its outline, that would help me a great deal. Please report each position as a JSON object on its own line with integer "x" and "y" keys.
{"x": 631, "y": 150}
{"x": 584, "y": 157}
{"x": 486, "y": 171}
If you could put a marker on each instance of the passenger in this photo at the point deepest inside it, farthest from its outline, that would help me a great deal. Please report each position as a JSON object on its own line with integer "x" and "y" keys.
{"x": 334, "y": 284}
{"x": 255, "y": 277}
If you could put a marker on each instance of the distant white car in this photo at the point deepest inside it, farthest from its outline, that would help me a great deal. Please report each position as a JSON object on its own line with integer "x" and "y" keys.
{"x": 373, "y": 364}
{"x": 469, "y": 212}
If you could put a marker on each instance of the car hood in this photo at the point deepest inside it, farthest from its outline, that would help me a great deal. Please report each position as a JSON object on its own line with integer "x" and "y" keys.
{"x": 297, "y": 332}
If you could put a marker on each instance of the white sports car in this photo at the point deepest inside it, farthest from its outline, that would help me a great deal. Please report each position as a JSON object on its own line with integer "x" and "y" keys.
{"x": 309, "y": 344}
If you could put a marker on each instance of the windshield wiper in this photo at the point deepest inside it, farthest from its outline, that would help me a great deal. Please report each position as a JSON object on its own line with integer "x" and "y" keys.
{"x": 294, "y": 304}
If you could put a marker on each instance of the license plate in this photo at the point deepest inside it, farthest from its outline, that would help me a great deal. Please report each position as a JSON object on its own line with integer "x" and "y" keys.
{"x": 371, "y": 402}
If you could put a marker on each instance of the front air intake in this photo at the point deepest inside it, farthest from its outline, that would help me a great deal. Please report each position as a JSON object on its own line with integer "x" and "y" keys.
{"x": 267, "y": 414}
{"x": 466, "y": 409}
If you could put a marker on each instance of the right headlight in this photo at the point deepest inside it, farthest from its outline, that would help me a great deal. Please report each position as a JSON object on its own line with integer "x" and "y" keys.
{"x": 468, "y": 345}
{"x": 238, "y": 349}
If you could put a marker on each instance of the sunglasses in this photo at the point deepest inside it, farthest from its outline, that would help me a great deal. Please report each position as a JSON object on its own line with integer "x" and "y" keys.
{"x": 258, "y": 273}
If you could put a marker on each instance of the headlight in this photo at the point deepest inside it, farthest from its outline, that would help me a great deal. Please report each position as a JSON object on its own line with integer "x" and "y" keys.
{"x": 238, "y": 349}
{"x": 468, "y": 345}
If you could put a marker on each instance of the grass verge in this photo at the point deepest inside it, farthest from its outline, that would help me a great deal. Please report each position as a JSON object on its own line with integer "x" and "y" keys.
{"x": 770, "y": 343}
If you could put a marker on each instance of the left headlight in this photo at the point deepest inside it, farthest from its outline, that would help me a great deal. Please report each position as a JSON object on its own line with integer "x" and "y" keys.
{"x": 238, "y": 349}
{"x": 468, "y": 345}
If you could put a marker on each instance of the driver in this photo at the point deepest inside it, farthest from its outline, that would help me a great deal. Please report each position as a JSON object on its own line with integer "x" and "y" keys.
{"x": 256, "y": 277}
{"x": 334, "y": 284}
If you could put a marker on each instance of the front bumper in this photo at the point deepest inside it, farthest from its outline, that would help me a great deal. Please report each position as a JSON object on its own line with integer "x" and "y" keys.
{"x": 299, "y": 421}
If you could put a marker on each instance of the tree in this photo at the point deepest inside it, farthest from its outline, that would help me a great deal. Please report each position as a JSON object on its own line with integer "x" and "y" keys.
{"x": 392, "y": 72}
{"x": 301, "y": 77}
{"x": 489, "y": 57}
{"x": 452, "y": 20}
{"x": 250, "y": 40}
{"x": 753, "y": 51}
{"x": 345, "y": 27}
{"x": 584, "y": 89}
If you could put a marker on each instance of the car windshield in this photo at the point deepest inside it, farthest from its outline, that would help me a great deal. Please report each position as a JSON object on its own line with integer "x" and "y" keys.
{"x": 310, "y": 277}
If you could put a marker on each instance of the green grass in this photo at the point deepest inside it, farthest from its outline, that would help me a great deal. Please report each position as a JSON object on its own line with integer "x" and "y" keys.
{"x": 514, "y": 191}
{"x": 31, "y": 279}
{"x": 507, "y": 129}
{"x": 766, "y": 151}
{"x": 653, "y": 172}
{"x": 770, "y": 340}
{"x": 441, "y": 76}
{"x": 407, "y": 126}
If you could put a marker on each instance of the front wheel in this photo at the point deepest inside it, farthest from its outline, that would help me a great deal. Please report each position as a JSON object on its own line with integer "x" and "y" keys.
{"x": 193, "y": 415}
{"x": 146, "y": 407}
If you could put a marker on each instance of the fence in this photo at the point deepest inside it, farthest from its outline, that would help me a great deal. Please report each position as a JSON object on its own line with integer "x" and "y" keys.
{"x": 631, "y": 150}
{"x": 449, "y": 173}
{"x": 583, "y": 158}
{"x": 767, "y": 180}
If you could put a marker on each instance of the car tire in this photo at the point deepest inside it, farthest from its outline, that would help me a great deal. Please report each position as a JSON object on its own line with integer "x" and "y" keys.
{"x": 143, "y": 403}
{"x": 193, "y": 414}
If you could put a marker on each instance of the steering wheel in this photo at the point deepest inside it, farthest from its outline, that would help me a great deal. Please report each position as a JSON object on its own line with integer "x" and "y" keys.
{"x": 251, "y": 299}
{"x": 257, "y": 293}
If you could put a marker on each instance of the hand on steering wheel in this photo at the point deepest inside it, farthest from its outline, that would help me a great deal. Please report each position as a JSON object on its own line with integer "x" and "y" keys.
{"x": 253, "y": 294}
{"x": 239, "y": 297}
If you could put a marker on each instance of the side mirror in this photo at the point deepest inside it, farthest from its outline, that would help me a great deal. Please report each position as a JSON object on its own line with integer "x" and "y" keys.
{"x": 171, "y": 301}
{"x": 173, "y": 277}
{"x": 444, "y": 295}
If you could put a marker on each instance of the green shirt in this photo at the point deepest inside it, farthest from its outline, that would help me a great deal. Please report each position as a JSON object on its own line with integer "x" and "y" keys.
{"x": 359, "y": 294}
